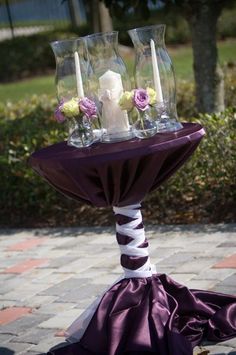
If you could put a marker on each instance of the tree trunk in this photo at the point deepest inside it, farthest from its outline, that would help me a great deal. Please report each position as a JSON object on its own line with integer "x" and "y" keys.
{"x": 202, "y": 17}
{"x": 95, "y": 15}
{"x": 105, "y": 18}
{"x": 74, "y": 11}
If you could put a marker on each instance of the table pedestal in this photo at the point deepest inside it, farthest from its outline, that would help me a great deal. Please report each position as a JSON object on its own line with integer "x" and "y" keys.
{"x": 146, "y": 312}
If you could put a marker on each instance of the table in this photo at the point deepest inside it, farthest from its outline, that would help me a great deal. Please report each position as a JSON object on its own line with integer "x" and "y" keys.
{"x": 144, "y": 312}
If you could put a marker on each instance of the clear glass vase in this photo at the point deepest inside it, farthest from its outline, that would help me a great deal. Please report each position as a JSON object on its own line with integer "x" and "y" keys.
{"x": 154, "y": 69}
{"x": 108, "y": 80}
{"x": 81, "y": 134}
{"x": 71, "y": 79}
{"x": 144, "y": 126}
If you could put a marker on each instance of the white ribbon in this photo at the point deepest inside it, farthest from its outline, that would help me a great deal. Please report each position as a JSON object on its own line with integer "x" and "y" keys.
{"x": 78, "y": 327}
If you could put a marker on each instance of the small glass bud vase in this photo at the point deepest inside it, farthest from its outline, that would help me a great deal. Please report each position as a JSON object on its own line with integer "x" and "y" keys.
{"x": 82, "y": 133}
{"x": 144, "y": 126}
{"x": 154, "y": 69}
{"x": 108, "y": 80}
{"x": 71, "y": 83}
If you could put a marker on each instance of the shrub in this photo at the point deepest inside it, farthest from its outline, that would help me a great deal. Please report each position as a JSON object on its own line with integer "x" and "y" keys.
{"x": 203, "y": 190}
{"x": 28, "y": 56}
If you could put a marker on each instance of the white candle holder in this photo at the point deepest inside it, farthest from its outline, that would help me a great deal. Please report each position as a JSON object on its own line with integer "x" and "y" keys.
{"x": 108, "y": 80}
{"x": 154, "y": 69}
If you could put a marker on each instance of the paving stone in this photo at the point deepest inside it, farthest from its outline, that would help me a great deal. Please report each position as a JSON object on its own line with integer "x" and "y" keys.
{"x": 45, "y": 345}
{"x": 4, "y": 338}
{"x": 229, "y": 262}
{"x": 65, "y": 286}
{"x": 10, "y": 285}
{"x": 195, "y": 266}
{"x": 58, "y": 262}
{"x": 200, "y": 284}
{"x": 34, "y": 336}
{"x": 36, "y": 301}
{"x": 219, "y": 350}
{"x": 86, "y": 291}
{"x": 105, "y": 279}
{"x": 214, "y": 274}
{"x": 25, "y": 266}
{"x": 23, "y": 324}
{"x": 55, "y": 307}
{"x": 182, "y": 278}
{"x": 176, "y": 259}
{"x": 229, "y": 290}
{"x": 15, "y": 348}
{"x": 24, "y": 292}
{"x": 27, "y": 244}
{"x": 229, "y": 281}
{"x": 231, "y": 343}
{"x": 11, "y": 314}
{"x": 62, "y": 320}
{"x": 82, "y": 264}
{"x": 53, "y": 278}
{"x": 229, "y": 244}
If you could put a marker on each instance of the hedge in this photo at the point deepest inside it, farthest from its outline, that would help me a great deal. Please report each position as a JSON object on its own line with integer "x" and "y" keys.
{"x": 204, "y": 190}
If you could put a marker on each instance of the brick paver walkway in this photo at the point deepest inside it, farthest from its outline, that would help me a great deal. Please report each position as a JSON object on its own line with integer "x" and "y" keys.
{"x": 48, "y": 277}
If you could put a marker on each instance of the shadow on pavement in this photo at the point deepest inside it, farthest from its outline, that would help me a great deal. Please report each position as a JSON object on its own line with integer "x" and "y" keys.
{"x": 6, "y": 351}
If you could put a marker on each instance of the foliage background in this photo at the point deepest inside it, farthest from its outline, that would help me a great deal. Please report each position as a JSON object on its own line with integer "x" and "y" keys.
{"x": 202, "y": 191}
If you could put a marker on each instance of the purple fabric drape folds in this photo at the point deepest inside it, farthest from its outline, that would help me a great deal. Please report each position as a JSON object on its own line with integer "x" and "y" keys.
{"x": 148, "y": 315}
{"x": 155, "y": 315}
{"x": 117, "y": 174}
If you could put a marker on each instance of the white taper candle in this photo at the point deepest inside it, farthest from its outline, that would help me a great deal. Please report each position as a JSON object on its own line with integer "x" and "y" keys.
{"x": 156, "y": 75}
{"x": 79, "y": 82}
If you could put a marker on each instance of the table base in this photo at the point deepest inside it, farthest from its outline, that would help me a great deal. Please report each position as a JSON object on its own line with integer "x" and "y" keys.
{"x": 146, "y": 312}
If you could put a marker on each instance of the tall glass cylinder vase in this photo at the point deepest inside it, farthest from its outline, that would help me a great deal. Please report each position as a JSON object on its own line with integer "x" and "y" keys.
{"x": 154, "y": 69}
{"x": 71, "y": 81}
{"x": 108, "y": 80}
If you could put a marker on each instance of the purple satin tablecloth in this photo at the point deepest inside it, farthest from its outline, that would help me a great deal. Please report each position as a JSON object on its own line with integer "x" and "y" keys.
{"x": 117, "y": 174}
{"x": 143, "y": 315}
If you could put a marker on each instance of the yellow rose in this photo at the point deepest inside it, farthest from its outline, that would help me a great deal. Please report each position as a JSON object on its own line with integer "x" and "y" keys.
{"x": 152, "y": 96}
{"x": 126, "y": 100}
{"x": 70, "y": 108}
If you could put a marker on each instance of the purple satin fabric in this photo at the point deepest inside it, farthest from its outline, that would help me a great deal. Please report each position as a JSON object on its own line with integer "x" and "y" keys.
{"x": 152, "y": 315}
{"x": 117, "y": 174}
{"x": 155, "y": 315}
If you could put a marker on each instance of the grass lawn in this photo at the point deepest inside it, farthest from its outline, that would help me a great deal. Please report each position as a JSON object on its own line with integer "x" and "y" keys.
{"x": 181, "y": 56}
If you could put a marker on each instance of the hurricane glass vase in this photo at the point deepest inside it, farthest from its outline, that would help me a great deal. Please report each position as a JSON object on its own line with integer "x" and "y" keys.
{"x": 154, "y": 69}
{"x": 108, "y": 80}
{"x": 69, "y": 85}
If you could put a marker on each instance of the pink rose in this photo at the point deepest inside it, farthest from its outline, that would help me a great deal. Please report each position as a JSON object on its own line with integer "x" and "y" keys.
{"x": 141, "y": 99}
{"x": 58, "y": 114}
{"x": 88, "y": 107}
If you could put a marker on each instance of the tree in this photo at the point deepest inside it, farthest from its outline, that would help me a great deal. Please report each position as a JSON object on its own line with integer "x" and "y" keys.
{"x": 202, "y": 16}
{"x": 98, "y": 16}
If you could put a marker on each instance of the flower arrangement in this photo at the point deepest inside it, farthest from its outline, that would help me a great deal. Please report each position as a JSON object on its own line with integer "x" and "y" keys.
{"x": 76, "y": 108}
{"x": 82, "y": 111}
{"x": 140, "y": 98}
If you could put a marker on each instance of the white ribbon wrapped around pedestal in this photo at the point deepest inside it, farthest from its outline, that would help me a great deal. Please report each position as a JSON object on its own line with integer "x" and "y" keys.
{"x": 136, "y": 247}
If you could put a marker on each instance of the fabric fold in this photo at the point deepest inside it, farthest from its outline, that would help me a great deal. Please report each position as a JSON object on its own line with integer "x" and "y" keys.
{"x": 155, "y": 315}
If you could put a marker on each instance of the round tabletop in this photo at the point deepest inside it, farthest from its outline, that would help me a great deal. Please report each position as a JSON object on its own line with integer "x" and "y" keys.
{"x": 116, "y": 174}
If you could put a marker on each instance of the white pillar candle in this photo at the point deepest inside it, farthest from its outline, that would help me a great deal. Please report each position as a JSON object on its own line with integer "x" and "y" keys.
{"x": 114, "y": 119}
{"x": 79, "y": 82}
{"x": 156, "y": 75}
